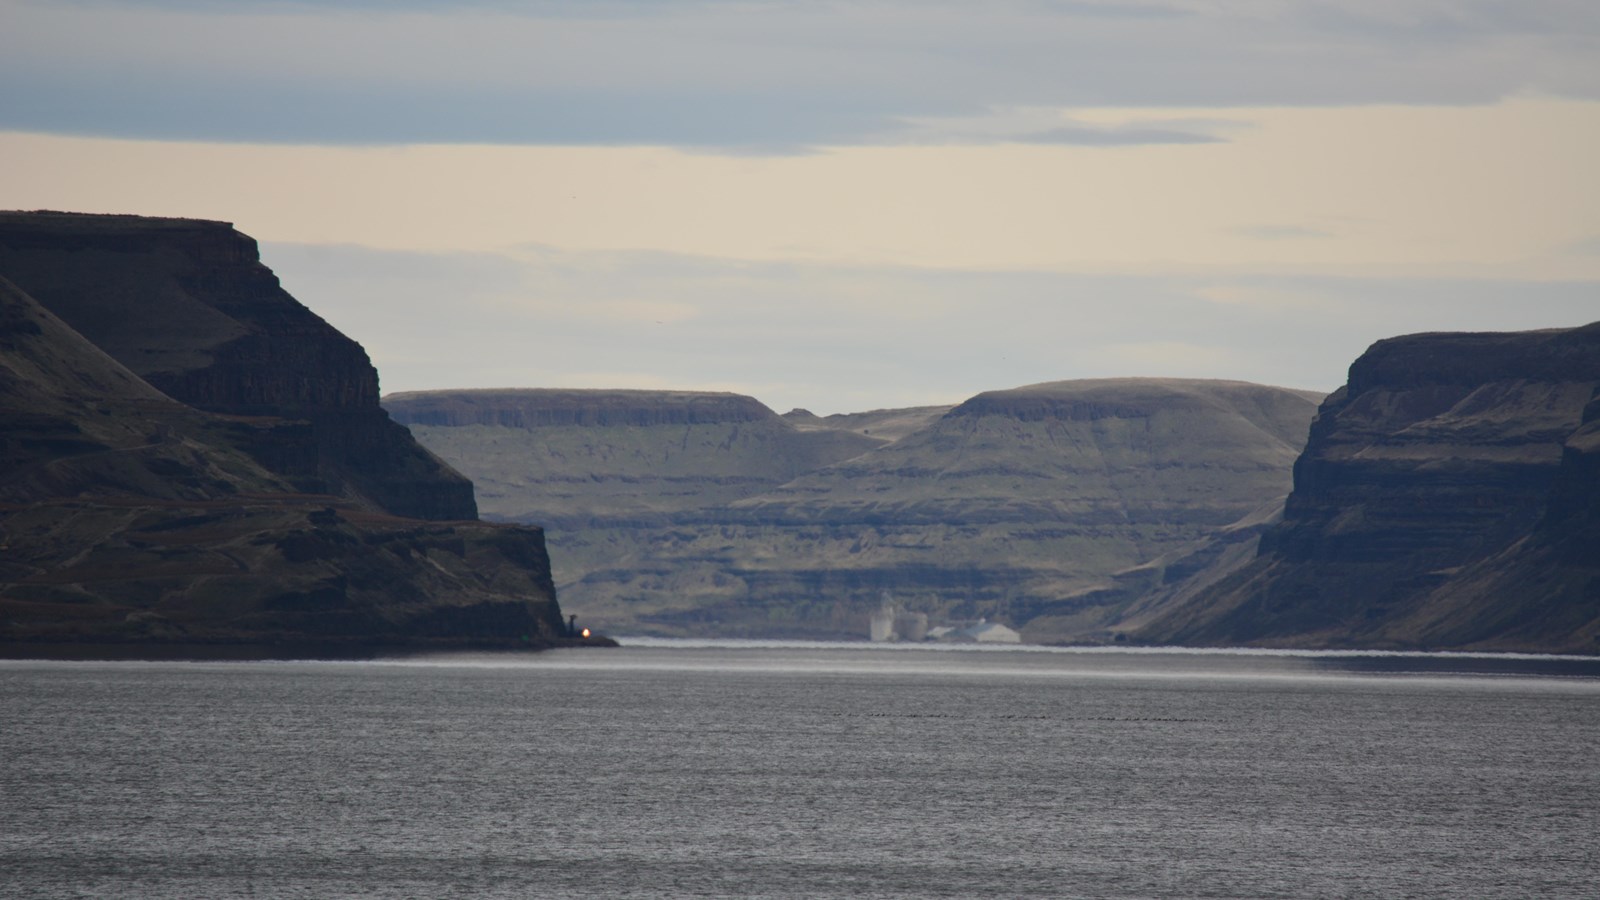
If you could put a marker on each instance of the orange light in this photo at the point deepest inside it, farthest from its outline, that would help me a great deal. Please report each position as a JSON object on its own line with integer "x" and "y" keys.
{"x": 586, "y": 632}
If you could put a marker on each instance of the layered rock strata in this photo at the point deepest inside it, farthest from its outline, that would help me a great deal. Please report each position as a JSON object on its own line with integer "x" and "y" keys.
{"x": 132, "y": 524}
{"x": 188, "y": 307}
{"x": 1447, "y": 498}
{"x": 575, "y": 459}
{"x": 1018, "y": 505}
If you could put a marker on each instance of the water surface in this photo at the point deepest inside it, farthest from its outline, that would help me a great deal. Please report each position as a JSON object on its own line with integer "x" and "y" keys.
{"x": 804, "y": 770}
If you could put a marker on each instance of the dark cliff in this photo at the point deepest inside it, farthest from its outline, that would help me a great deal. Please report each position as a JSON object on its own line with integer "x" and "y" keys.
{"x": 134, "y": 524}
{"x": 1447, "y": 498}
{"x": 187, "y": 306}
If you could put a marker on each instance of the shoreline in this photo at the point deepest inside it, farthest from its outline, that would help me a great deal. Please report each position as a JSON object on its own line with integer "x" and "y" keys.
{"x": 247, "y": 651}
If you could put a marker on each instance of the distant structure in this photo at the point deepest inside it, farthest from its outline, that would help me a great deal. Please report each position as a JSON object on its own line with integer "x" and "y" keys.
{"x": 982, "y": 632}
{"x": 891, "y": 623}
{"x": 986, "y": 632}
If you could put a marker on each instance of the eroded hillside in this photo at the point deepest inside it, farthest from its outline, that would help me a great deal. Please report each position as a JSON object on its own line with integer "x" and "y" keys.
{"x": 1016, "y": 505}
{"x": 1449, "y": 497}
{"x": 135, "y": 524}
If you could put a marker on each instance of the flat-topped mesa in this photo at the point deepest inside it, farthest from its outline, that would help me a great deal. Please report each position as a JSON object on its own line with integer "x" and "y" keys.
{"x": 980, "y": 513}
{"x": 1447, "y": 498}
{"x": 136, "y": 525}
{"x": 204, "y": 240}
{"x": 1098, "y": 450}
{"x": 1441, "y": 446}
{"x": 1089, "y": 400}
{"x": 187, "y": 305}
{"x": 563, "y": 456}
{"x": 545, "y": 407}
{"x": 1469, "y": 359}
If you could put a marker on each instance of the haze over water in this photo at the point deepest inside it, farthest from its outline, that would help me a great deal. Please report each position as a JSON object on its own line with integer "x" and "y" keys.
{"x": 804, "y": 770}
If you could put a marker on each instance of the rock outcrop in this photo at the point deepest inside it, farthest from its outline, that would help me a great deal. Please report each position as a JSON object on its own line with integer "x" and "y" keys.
{"x": 135, "y": 524}
{"x": 1018, "y": 505}
{"x": 541, "y": 408}
{"x": 188, "y": 307}
{"x": 1447, "y": 498}
{"x": 579, "y": 459}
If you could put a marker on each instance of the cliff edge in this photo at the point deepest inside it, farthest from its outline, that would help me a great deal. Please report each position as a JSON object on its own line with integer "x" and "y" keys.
{"x": 1448, "y": 497}
{"x": 134, "y": 523}
{"x": 188, "y": 307}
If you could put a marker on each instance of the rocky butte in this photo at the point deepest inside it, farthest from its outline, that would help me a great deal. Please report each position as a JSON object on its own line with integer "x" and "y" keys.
{"x": 709, "y": 514}
{"x": 1449, "y": 497}
{"x": 193, "y": 463}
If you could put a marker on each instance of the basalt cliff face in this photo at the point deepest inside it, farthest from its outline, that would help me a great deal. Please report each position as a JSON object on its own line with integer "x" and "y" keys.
{"x": 188, "y": 307}
{"x": 1449, "y": 497}
{"x": 673, "y": 513}
{"x": 225, "y": 513}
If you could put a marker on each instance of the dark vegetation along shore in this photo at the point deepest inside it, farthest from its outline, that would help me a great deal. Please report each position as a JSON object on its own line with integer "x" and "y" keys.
{"x": 194, "y": 464}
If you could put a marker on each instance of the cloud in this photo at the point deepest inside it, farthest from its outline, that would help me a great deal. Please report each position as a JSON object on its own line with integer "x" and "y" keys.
{"x": 1495, "y": 191}
{"x": 1280, "y": 232}
{"x": 1263, "y": 297}
{"x": 758, "y": 77}
{"x": 1048, "y": 126}
{"x": 1588, "y": 247}
{"x": 1116, "y": 137}
{"x": 1446, "y": 20}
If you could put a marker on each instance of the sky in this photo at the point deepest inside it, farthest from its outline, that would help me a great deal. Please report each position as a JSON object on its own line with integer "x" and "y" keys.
{"x": 843, "y": 206}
